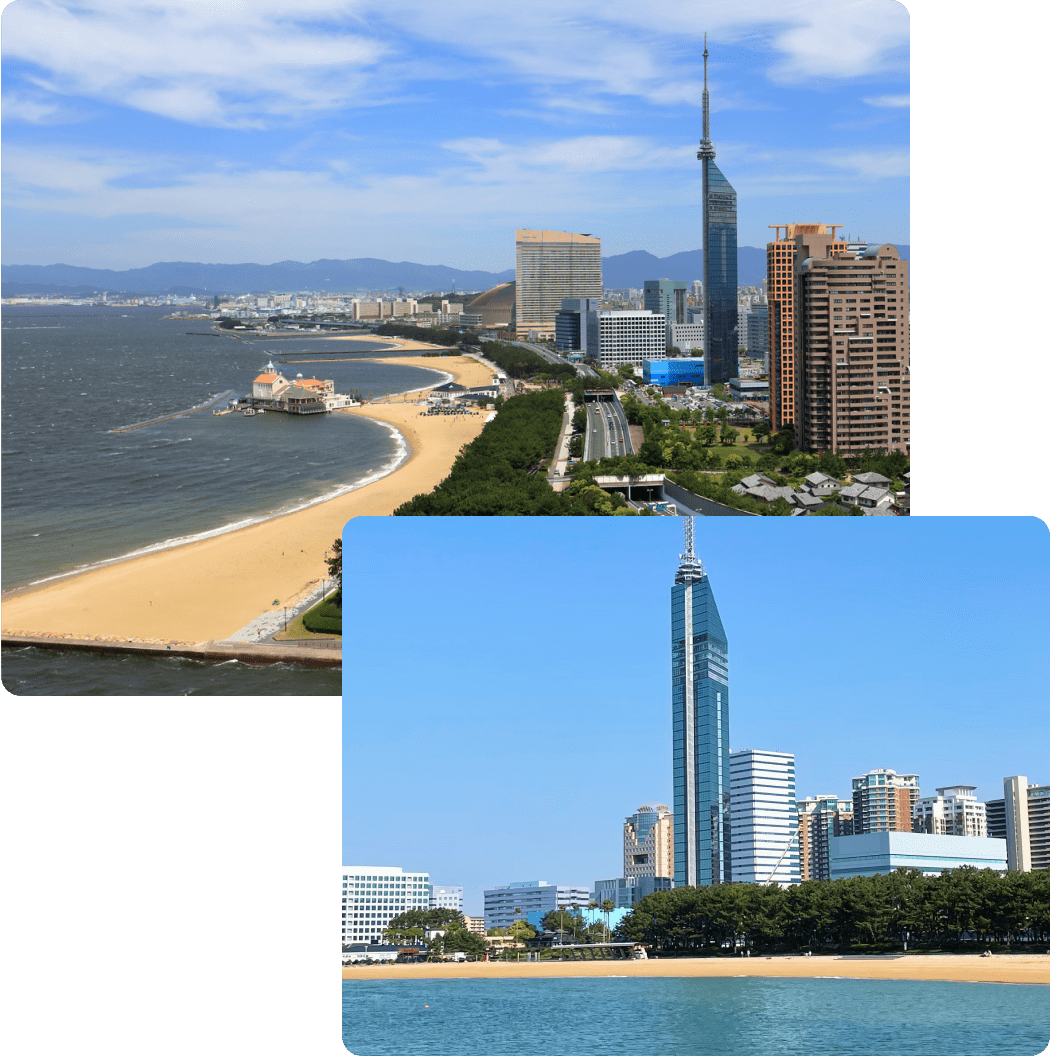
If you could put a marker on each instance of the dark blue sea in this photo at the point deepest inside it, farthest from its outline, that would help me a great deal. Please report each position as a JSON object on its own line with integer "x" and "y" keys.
{"x": 693, "y": 1017}
{"x": 75, "y": 494}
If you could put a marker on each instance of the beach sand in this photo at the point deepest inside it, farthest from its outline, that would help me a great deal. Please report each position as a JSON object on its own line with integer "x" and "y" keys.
{"x": 210, "y": 589}
{"x": 965, "y": 968}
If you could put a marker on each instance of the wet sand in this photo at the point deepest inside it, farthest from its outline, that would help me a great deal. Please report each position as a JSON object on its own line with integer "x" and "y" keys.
{"x": 209, "y": 589}
{"x": 964, "y": 968}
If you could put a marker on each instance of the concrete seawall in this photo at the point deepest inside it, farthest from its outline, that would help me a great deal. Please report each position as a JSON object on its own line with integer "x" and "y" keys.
{"x": 246, "y": 652}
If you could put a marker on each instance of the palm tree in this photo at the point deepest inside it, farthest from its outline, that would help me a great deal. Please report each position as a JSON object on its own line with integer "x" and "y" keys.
{"x": 608, "y": 905}
{"x": 575, "y": 907}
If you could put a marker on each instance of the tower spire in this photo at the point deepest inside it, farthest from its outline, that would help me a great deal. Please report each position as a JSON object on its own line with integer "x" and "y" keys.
{"x": 707, "y": 148}
{"x": 690, "y": 567}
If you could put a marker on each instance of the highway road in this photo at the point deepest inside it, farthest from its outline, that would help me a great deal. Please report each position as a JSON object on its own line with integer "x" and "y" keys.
{"x": 607, "y": 432}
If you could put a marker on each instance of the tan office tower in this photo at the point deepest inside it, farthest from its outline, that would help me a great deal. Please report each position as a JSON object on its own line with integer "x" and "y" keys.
{"x": 550, "y": 266}
{"x": 1018, "y": 838}
{"x": 648, "y": 842}
{"x": 780, "y": 294}
{"x": 852, "y": 385}
{"x": 883, "y": 801}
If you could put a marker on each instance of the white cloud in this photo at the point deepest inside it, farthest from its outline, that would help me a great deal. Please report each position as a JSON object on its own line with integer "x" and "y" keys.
{"x": 888, "y": 100}
{"x": 246, "y": 63}
{"x": 870, "y": 164}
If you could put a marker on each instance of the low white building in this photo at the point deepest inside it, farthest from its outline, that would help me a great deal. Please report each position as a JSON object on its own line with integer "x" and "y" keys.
{"x": 686, "y": 336}
{"x": 444, "y": 897}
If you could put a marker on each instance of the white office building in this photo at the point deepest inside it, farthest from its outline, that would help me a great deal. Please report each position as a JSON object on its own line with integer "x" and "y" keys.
{"x": 625, "y": 337}
{"x": 763, "y": 817}
{"x": 374, "y": 894}
{"x": 443, "y": 897}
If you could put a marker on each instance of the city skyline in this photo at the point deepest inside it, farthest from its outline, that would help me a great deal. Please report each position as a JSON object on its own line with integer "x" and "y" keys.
{"x": 374, "y": 130}
{"x": 498, "y": 744}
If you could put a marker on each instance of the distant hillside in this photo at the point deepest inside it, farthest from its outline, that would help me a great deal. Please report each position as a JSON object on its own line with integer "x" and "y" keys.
{"x": 335, "y": 276}
{"x": 632, "y": 269}
{"x": 345, "y": 276}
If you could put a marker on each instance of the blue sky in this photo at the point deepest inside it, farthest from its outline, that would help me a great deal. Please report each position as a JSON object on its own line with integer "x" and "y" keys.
{"x": 507, "y": 695}
{"x": 141, "y": 131}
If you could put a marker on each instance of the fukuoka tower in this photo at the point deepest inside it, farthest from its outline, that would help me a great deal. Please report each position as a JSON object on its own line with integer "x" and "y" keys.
{"x": 719, "y": 218}
{"x": 700, "y": 725}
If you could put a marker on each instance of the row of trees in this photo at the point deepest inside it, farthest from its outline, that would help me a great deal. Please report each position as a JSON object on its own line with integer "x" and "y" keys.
{"x": 954, "y": 909}
{"x": 432, "y": 334}
{"x": 441, "y": 931}
{"x": 521, "y": 363}
{"x": 503, "y": 470}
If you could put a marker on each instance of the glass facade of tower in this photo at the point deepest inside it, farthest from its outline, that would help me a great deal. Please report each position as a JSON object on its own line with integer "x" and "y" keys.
{"x": 700, "y": 724}
{"x": 720, "y": 275}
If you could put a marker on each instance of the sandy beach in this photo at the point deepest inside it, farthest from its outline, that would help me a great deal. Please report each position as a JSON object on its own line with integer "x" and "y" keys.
{"x": 211, "y": 588}
{"x": 965, "y": 968}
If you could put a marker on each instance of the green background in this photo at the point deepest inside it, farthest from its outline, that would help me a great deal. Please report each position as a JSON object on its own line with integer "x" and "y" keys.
{"x": 170, "y": 865}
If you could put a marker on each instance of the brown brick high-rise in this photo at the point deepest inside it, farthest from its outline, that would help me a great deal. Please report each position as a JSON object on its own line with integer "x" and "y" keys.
{"x": 852, "y": 384}
{"x": 780, "y": 293}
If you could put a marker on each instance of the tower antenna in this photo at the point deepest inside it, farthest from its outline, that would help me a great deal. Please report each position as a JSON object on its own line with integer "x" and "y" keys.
{"x": 707, "y": 148}
{"x": 689, "y": 551}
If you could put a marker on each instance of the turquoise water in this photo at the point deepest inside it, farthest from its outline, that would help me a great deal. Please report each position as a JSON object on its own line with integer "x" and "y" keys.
{"x": 693, "y": 1017}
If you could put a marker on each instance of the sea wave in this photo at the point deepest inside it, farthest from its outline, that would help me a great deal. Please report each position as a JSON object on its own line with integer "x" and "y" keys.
{"x": 400, "y": 454}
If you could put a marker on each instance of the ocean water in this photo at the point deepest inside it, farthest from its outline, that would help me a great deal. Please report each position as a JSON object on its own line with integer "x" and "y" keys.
{"x": 75, "y": 494}
{"x": 30, "y": 671}
{"x": 692, "y": 1017}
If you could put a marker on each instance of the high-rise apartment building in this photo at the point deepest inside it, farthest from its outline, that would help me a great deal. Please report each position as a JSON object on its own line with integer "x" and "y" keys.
{"x": 852, "y": 385}
{"x": 551, "y": 266}
{"x": 444, "y": 897}
{"x": 666, "y": 297}
{"x": 781, "y": 257}
{"x": 700, "y": 726}
{"x": 720, "y": 259}
{"x": 648, "y": 842}
{"x": 764, "y": 817}
{"x": 1022, "y": 818}
{"x": 820, "y": 818}
{"x": 883, "y": 801}
{"x": 954, "y": 811}
{"x": 374, "y": 894}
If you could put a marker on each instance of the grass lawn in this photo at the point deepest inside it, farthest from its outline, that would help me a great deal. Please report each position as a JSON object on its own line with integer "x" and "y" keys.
{"x": 297, "y": 632}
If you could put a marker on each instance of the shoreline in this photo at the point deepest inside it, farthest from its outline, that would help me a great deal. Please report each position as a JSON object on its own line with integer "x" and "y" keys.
{"x": 1022, "y": 968}
{"x": 208, "y": 589}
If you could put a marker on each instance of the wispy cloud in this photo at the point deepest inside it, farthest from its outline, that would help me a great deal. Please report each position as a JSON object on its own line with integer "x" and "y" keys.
{"x": 253, "y": 63}
{"x": 888, "y": 100}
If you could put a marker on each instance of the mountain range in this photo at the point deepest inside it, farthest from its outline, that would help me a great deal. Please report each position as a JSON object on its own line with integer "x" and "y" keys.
{"x": 343, "y": 276}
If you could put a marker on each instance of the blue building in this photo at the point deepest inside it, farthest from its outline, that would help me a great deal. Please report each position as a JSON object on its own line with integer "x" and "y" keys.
{"x": 720, "y": 264}
{"x": 686, "y": 371}
{"x": 884, "y": 852}
{"x": 529, "y": 900}
{"x": 700, "y": 727}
